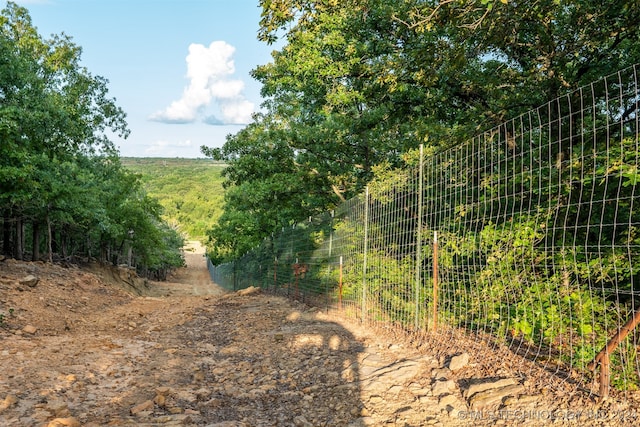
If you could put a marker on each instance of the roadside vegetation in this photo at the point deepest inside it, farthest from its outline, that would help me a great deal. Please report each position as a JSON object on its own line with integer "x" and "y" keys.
{"x": 64, "y": 194}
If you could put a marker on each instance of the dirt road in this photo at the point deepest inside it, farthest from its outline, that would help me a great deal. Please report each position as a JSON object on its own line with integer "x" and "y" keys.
{"x": 78, "y": 350}
{"x": 191, "y": 281}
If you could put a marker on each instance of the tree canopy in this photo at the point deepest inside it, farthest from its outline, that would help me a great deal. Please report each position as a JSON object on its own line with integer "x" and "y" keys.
{"x": 59, "y": 171}
{"x": 357, "y": 83}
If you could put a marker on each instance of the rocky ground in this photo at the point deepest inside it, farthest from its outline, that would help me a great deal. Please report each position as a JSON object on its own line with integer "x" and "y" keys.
{"x": 99, "y": 347}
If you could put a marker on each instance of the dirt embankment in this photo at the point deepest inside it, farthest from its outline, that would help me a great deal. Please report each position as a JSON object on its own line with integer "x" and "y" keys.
{"x": 98, "y": 347}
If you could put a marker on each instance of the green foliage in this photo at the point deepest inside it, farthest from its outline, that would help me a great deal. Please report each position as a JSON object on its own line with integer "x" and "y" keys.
{"x": 267, "y": 189}
{"x": 358, "y": 83}
{"x": 61, "y": 181}
{"x": 189, "y": 191}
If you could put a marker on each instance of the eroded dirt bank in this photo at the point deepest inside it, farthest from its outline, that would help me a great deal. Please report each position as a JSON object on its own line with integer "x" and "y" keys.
{"x": 76, "y": 348}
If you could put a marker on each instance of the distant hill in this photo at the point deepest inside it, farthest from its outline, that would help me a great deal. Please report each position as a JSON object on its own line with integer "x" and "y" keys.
{"x": 189, "y": 190}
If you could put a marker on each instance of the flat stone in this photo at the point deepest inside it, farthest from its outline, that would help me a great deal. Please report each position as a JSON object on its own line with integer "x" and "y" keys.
{"x": 396, "y": 389}
{"x": 493, "y": 396}
{"x": 441, "y": 373}
{"x": 448, "y": 399}
{"x": 397, "y": 373}
{"x": 29, "y": 329}
{"x": 443, "y": 387}
{"x": 144, "y": 406}
{"x": 488, "y": 385}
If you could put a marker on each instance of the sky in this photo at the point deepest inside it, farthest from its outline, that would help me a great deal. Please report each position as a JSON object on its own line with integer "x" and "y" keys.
{"x": 180, "y": 69}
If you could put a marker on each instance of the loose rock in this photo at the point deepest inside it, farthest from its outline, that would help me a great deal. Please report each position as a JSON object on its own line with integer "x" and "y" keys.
{"x": 30, "y": 281}
{"x": 144, "y": 406}
{"x": 488, "y": 384}
{"x": 494, "y": 396}
{"x": 458, "y": 362}
{"x": 251, "y": 290}
{"x": 29, "y": 329}
{"x": 7, "y": 402}
{"x": 64, "y": 422}
{"x": 443, "y": 387}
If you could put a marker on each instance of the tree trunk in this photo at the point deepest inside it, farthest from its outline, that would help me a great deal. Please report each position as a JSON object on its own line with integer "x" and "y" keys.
{"x": 35, "y": 251}
{"x": 63, "y": 243}
{"x": 6, "y": 234}
{"x": 49, "y": 240}
{"x": 129, "y": 256}
{"x": 19, "y": 245}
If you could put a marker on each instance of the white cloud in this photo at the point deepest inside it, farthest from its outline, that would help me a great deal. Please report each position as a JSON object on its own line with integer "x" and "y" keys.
{"x": 210, "y": 71}
{"x": 237, "y": 112}
{"x": 227, "y": 89}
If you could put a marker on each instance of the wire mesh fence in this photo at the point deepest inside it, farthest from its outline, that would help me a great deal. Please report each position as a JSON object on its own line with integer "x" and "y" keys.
{"x": 529, "y": 232}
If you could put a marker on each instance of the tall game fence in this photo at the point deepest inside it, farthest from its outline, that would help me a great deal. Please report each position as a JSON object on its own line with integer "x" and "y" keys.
{"x": 529, "y": 232}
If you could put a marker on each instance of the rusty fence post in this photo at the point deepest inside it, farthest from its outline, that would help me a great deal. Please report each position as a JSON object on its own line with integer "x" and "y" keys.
{"x": 603, "y": 357}
{"x": 275, "y": 274}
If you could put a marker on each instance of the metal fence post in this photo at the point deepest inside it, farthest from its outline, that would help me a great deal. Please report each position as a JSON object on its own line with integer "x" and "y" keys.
{"x": 419, "y": 241}
{"x": 235, "y": 276}
{"x": 326, "y": 283}
{"x": 435, "y": 280}
{"x": 365, "y": 249}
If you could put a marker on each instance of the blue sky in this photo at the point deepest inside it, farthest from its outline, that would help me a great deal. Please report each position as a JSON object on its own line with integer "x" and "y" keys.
{"x": 178, "y": 68}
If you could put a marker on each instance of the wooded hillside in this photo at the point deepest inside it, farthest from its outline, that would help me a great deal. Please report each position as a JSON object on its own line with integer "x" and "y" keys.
{"x": 189, "y": 191}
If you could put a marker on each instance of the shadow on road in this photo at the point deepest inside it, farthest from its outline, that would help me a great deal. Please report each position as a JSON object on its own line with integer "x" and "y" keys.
{"x": 261, "y": 362}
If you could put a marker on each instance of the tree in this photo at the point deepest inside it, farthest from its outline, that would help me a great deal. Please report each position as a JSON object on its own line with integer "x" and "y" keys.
{"x": 359, "y": 82}
{"x": 267, "y": 188}
{"x": 58, "y": 169}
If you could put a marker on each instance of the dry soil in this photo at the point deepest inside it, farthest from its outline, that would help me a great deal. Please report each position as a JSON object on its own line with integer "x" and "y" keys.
{"x": 96, "y": 346}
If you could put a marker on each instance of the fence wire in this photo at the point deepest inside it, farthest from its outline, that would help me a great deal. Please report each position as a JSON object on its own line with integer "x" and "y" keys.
{"x": 529, "y": 232}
